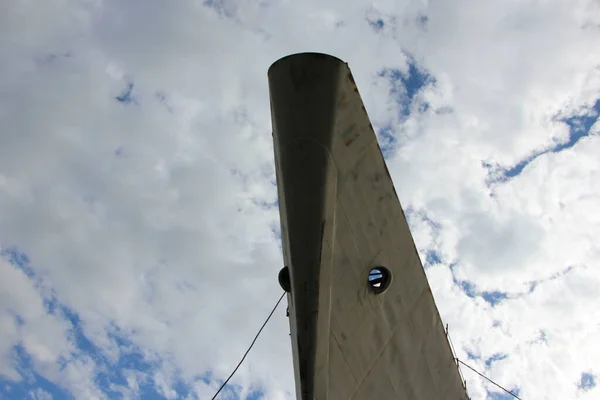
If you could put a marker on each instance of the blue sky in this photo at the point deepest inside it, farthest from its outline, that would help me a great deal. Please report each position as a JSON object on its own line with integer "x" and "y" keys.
{"x": 579, "y": 126}
{"x": 112, "y": 374}
{"x": 139, "y": 227}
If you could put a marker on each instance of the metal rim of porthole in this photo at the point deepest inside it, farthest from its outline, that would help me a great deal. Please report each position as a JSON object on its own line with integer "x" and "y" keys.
{"x": 379, "y": 279}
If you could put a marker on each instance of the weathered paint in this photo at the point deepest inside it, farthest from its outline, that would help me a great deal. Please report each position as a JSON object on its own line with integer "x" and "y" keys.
{"x": 340, "y": 217}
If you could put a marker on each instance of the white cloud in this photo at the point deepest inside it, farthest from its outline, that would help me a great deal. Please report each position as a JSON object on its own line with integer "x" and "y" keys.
{"x": 40, "y": 394}
{"x": 147, "y": 218}
{"x": 45, "y": 336}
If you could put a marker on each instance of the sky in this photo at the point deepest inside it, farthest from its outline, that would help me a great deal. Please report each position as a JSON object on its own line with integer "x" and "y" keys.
{"x": 139, "y": 229}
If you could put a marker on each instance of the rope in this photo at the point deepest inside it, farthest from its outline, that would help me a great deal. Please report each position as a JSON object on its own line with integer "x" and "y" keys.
{"x": 248, "y": 351}
{"x": 489, "y": 380}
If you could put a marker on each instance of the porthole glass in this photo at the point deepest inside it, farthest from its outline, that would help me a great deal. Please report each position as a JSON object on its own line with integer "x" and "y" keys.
{"x": 379, "y": 279}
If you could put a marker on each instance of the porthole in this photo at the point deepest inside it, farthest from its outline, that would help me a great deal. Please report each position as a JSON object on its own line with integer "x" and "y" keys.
{"x": 284, "y": 279}
{"x": 379, "y": 279}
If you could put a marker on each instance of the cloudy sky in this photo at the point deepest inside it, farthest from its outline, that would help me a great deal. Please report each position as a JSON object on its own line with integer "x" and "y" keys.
{"x": 138, "y": 216}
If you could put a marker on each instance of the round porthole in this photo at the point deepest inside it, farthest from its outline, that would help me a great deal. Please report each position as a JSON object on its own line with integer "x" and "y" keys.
{"x": 379, "y": 279}
{"x": 284, "y": 279}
